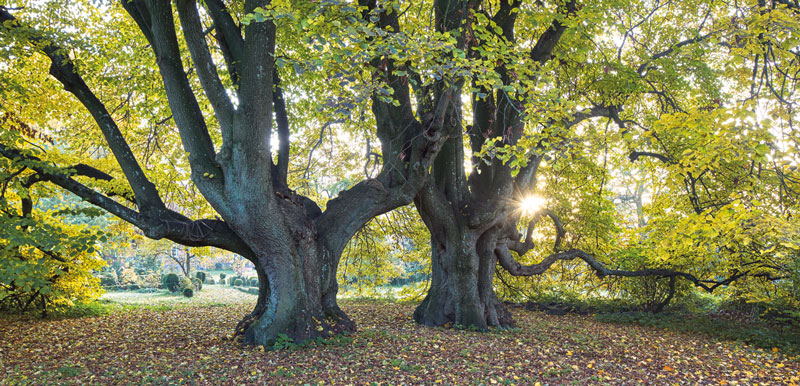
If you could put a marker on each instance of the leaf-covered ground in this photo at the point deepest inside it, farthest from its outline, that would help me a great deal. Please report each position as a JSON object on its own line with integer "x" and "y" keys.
{"x": 190, "y": 344}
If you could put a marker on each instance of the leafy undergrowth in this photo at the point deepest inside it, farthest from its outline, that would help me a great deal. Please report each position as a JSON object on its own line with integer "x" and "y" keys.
{"x": 191, "y": 345}
{"x": 753, "y": 331}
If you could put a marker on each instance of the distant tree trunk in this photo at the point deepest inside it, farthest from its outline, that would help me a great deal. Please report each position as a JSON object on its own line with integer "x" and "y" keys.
{"x": 187, "y": 266}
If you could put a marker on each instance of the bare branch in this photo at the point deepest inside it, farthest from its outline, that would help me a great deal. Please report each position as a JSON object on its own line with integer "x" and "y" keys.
{"x": 669, "y": 51}
{"x": 634, "y": 156}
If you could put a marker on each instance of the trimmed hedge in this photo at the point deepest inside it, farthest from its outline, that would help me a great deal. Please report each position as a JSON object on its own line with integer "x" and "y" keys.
{"x": 197, "y": 284}
{"x": 172, "y": 282}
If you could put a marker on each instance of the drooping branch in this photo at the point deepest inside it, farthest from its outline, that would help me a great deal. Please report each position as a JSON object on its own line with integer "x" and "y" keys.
{"x": 526, "y": 178}
{"x": 63, "y": 69}
{"x": 508, "y": 262}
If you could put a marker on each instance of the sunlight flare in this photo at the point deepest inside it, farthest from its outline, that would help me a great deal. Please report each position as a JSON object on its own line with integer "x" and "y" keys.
{"x": 532, "y": 204}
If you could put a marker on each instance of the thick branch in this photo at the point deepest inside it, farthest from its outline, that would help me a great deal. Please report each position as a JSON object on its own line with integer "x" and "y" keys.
{"x": 64, "y": 180}
{"x": 634, "y": 156}
{"x": 228, "y": 32}
{"x": 256, "y": 71}
{"x": 522, "y": 247}
{"x": 408, "y": 146}
{"x": 156, "y": 22}
{"x": 168, "y": 224}
{"x": 544, "y": 47}
{"x": 282, "y": 121}
{"x": 204, "y": 64}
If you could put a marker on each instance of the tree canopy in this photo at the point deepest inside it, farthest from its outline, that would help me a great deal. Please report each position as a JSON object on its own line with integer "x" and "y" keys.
{"x": 648, "y": 139}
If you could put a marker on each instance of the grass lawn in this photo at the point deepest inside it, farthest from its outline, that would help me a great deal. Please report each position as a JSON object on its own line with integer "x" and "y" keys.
{"x": 212, "y": 294}
{"x": 168, "y": 340}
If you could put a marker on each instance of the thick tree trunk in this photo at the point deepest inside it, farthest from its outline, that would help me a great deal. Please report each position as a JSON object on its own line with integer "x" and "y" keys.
{"x": 296, "y": 267}
{"x": 462, "y": 291}
{"x": 297, "y": 299}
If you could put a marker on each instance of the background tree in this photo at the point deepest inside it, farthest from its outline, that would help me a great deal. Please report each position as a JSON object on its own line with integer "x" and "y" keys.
{"x": 561, "y": 94}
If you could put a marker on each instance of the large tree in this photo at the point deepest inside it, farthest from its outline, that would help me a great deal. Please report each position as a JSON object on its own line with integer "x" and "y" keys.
{"x": 561, "y": 91}
{"x": 475, "y": 104}
{"x": 239, "y": 153}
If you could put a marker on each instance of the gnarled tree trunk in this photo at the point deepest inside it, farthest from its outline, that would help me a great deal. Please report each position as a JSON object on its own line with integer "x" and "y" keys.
{"x": 462, "y": 290}
{"x": 297, "y": 296}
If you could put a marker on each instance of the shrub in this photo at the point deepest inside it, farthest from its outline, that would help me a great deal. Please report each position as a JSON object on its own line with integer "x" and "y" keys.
{"x": 148, "y": 280}
{"x": 238, "y": 282}
{"x": 188, "y": 292}
{"x": 210, "y": 281}
{"x": 172, "y": 282}
{"x": 128, "y": 277}
{"x": 186, "y": 283}
{"x": 222, "y": 278}
{"x": 197, "y": 284}
{"x": 652, "y": 293}
{"x": 107, "y": 279}
{"x": 201, "y": 275}
{"x": 253, "y": 282}
{"x": 218, "y": 266}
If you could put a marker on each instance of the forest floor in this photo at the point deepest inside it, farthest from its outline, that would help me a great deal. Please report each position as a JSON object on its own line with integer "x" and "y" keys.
{"x": 188, "y": 342}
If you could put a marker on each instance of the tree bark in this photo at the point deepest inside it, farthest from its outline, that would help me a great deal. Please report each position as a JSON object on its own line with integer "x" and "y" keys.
{"x": 462, "y": 291}
{"x": 297, "y": 267}
{"x": 297, "y": 296}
